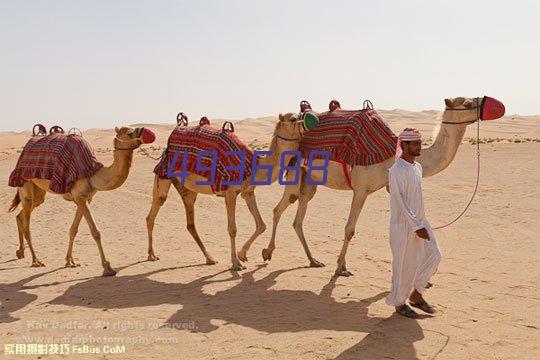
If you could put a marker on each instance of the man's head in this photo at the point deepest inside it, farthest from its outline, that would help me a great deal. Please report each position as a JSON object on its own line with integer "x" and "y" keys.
{"x": 409, "y": 143}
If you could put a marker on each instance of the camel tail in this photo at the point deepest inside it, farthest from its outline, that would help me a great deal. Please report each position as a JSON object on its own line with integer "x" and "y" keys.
{"x": 16, "y": 201}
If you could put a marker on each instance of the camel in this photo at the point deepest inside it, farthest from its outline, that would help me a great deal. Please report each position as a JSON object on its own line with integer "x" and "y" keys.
{"x": 32, "y": 195}
{"x": 459, "y": 113}
{"x": 286, "y": 137}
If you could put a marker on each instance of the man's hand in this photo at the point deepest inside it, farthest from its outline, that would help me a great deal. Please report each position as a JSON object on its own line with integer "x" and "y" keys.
{"x": 423, "y": 233}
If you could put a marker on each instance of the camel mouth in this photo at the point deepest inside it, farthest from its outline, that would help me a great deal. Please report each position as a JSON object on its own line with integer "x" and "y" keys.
{"x": 147, "y": 136}
{"x": 491, "y": 109}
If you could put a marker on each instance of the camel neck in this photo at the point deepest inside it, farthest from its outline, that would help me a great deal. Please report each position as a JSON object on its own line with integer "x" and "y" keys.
{"x": 438, "y": 156}
{"x": 113, "y": 176}
{"x": 277, "y": 147}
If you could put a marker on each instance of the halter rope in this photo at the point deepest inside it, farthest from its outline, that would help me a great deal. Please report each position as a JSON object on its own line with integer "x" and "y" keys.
{"x": 477, "y": 168}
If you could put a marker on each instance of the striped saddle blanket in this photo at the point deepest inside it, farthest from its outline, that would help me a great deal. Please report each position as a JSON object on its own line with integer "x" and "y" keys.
{"x": 60, "y": 158}
{"x": 353, "y": 137}
{"x": 193, "y": 140}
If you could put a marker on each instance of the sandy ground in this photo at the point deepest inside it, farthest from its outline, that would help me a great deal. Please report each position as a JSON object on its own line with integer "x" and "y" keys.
{"x": 486, "y": 289}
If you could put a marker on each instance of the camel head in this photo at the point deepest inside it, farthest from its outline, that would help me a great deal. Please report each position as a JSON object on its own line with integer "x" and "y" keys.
{"x": 289, "y": 126}
{"x": 463, "y": 110}
{"x": 292, "y": 126}
{"x": 128, "y": 138}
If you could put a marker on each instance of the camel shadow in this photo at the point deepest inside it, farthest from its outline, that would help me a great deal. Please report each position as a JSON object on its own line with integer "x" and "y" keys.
{"x": 253, "y": 303}
{"x": 14, "y": 298}
{"x": 250, "y": 303}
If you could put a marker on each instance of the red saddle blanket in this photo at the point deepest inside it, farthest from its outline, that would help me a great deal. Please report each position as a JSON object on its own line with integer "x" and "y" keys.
{"x": 60, "y": 158}
{"x": 353, "y": 137}
{"x": 193, "y": 140}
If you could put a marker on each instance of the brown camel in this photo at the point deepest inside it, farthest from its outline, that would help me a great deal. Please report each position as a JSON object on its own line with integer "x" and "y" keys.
{"x": 32, "y": 194}
{"x": 459, "y": 113}
{"x": 287, "y": 134}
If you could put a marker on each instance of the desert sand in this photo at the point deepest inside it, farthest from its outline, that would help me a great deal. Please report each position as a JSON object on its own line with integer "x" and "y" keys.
{"x": 486, "y": 290}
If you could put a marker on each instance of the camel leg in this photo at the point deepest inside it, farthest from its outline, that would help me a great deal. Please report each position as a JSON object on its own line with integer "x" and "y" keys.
{"x": 188, "y": 198}
{"x": 19, "y": 218}
{"x": 72, "y": 233}
{"x": 290, "y": 195}
{"x": 307, "y": 193}
{"x": 81, "y": 204}
{"x": 230, "y": 202}
{"x": 260, "y": 226}
{"x": 159, "y": 196}
{"x": 27, "y": 192}
{"x": 359, "y": 198}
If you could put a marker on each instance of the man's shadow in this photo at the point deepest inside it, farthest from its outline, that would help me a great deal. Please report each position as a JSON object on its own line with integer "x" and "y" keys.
{"x": 392, "y": 338}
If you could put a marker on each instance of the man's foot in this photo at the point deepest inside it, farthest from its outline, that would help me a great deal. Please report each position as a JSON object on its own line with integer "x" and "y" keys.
{"x": 406, "y": 311}
{"x": 424, "y": 306}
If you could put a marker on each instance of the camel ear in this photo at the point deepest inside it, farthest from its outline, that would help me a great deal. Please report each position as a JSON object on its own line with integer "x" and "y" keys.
{"x": 116, "y": 129}
{"x": 281, "y": 117}
{"x": 468, "y": 103}
{"x": 449, "y": 103}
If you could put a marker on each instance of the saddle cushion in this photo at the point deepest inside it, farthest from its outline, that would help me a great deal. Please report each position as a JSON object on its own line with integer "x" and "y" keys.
{"x": 60, "y": 158}
{"x": 193, "y": 139}
{"x": 353, "y": 137}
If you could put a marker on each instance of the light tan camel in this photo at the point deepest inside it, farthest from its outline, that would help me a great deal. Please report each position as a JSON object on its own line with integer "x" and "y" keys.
{"x": 287, "y": 134}
{"x": 368, "y": 179}
{"x": 32, "y": 194}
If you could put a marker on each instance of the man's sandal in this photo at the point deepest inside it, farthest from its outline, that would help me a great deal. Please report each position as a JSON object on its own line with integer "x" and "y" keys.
{"x": 406, "y": 311}
{"x": 424, "y": 306}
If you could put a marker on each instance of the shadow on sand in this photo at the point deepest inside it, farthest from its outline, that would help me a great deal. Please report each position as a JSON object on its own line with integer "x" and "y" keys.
{"x": 255, "y": 305}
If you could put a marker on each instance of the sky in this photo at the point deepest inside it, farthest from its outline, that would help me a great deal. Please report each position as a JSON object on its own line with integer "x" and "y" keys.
{"x": 97, "y": 64}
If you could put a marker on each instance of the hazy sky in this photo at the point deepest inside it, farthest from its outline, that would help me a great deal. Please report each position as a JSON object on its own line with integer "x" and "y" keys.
{"x": 104, "y": 63}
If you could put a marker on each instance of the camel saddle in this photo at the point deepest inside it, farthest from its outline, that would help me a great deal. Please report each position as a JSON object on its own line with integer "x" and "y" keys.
{"x": 60, "y": 158}
{"x": 352, "y": 137}
{"x": 204, "y": 137}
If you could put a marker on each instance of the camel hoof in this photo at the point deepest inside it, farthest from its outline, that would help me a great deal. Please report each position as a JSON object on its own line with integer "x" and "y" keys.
{"x": 210, "y": 261}
{"x": 315, "y": 263}
{"x": 242, "y": 255}
{"x": 72, "y": 264}
{"x": 37, "y": 263}
{"x": 237, "y": 267}
{"x": 109, "y": 272}
{"x": 152, "y": 257}
{"x": 20, "y": 253}
{"x": 343, "y": 272}
{"x": 266, "y": 254}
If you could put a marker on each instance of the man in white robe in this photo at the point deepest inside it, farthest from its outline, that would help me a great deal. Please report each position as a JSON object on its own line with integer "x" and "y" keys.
{"x": 416, "y": 254}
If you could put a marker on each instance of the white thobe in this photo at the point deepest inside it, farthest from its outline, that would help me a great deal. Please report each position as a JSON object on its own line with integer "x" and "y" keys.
{"x": 415, "y": 259}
